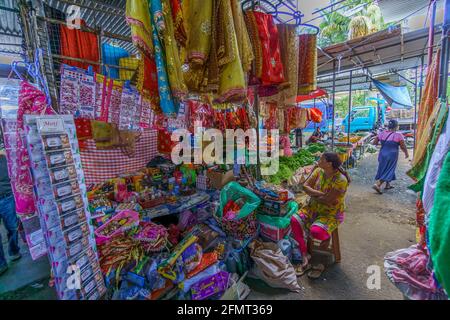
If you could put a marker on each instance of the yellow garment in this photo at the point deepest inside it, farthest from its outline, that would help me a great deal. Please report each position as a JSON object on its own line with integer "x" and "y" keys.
{"x": 128, "y": 63}
{"x": 337, "y": 182}
{"x": 426, "y": 135}
{"x": 243, "y": 38}
{"x": 232, "y": 85}
{"x": 138, "y": 17}
{"x": 198, "y": 15}
{"x": 198, "y": 25}
{"x": 166, "y": 33}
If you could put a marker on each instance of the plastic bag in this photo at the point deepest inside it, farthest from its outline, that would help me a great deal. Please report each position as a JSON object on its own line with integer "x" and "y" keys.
{"x": 272, "y": 266}
{"x": 234, "y": 191}
{"x": 237, "y": 257}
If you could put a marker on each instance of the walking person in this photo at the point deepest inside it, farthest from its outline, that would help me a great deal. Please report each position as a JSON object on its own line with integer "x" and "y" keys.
{"x": 8, "y": 217}
{"x": 391, "y": 141}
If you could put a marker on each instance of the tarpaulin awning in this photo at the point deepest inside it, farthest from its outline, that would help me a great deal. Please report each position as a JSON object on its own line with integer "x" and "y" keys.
{"x": 396, "y": 97}
{"x": 313, "y": 95}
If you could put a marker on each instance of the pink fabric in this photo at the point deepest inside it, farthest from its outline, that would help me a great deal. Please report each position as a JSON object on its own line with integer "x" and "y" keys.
{"x": 396, "y": 136}
{"x": 31, "y": 101}
{"x": 408, "y": 270}
{"x": 298, "y": 234}
{"x": 319, "y": 233}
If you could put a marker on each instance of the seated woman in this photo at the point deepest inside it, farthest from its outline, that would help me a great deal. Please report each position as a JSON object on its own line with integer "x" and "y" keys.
{"x": 327, "y": 187}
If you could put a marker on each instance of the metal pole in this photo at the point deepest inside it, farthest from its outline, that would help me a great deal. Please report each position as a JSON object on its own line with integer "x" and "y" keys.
{"x": 349, "y": 107}
{"x": 415, "y": 111}
{"x": 431, "y": 32}
{"x": 258, "y": 159}
{"x": 443, "y": 77}
{"x": 333, "y": 123}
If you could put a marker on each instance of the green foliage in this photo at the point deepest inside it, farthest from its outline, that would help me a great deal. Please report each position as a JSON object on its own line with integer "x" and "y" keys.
{"x": 358, "y": 99}
{"x": 335, "y": 27}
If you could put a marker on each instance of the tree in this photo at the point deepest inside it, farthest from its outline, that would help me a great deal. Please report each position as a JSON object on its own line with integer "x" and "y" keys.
{"x": 334, "y": 28}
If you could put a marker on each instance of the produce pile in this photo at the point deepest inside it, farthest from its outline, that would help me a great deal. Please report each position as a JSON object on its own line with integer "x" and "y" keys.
{"x": 289, "y": 165}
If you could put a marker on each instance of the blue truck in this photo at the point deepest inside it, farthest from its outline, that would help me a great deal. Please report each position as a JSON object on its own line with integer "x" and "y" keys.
{"x": 365, "y": 118}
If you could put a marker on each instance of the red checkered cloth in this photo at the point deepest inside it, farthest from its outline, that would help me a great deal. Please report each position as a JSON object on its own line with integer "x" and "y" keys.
{"x": 101, "y": 165}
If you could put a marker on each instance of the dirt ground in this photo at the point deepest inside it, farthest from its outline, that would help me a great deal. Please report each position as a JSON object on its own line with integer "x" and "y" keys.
{"x": 375, "y": 224}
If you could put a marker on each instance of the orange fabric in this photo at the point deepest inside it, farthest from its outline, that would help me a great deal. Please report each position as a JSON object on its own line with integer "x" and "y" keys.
{"x": 430, "y": 95}
{"x": 315, "y": 115}
{"x": 79, "y": 44}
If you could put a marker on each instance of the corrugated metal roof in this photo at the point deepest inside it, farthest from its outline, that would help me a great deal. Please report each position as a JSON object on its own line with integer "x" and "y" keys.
{"x": 395, "y": 10}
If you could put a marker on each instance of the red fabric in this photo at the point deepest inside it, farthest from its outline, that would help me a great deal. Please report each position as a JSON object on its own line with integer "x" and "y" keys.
{"x": 313, "y": 95}
{"x": 79, "y": 44}
{"x": 272, "y": 68}
{"x": 315, "y": 115}
{"x": 165, "y": 143}
{"x": 101, "y": 165}
{"x": 150, "y": 85}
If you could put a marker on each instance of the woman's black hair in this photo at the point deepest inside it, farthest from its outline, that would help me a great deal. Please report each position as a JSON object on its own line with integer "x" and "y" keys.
{"x": 393, "y": 124}
{"x": 336, "y": 162}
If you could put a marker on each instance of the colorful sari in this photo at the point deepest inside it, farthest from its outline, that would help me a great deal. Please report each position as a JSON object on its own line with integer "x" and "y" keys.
{"x": 232, "y": 85}
{"x": 272, "y": 72}
{"x": 138, "y": 18}
{"x": 199, "y": 22}
{"x": 178, "y": 20}
{"x": 173, "y": 62}
{"x": 307, "y": 65}
{"x": 166, "y": 100}
{"x": 198, "y": 16}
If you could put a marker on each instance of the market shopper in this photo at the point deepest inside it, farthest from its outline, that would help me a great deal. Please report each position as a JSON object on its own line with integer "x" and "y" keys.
{"x": 327, "y": 187}
{"x": 391, "y": 141}
{"x": 7, "y": 216}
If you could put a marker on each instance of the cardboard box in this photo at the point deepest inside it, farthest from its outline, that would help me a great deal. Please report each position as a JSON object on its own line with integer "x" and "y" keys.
{"x": 218, "y": 179}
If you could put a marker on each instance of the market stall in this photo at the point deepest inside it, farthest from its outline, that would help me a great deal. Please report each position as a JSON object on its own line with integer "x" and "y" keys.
{"x": 90, "y": 148}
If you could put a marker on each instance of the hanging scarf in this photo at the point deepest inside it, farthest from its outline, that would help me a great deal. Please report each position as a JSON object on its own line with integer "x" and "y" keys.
{"x": 31, "y": 101}
{"x": 138, "y": 18}
{"x": 165, "y": 95}
{"x": 147, "y": 79}
{"x": 307, "y": 66}
{"x": 430, "y": 97}
{"x": 289, "y": 45}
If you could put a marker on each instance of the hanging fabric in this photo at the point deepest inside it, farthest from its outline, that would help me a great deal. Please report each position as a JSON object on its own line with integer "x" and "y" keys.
{"x": 166, "y": 32}
{"x": 232, "y": 85}
{"x": 79, "y": 44}
{"x": 198, "y": 16}
{"x": 289, "y": 46}
{"x": 307, "y": 66}
{"x": 427, "y": 144}
{"x": 430, "y": 96}
{"x": 111, "y": 56}
{"x": 178, "y": 21}
{"x": 31, "y": 101}
{"x": 138, "y": 18}
{"x": 439, "y": 228}
{"x": 265, "y": 38}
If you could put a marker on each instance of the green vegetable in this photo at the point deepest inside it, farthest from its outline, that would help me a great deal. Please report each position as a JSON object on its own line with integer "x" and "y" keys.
{"x": 316, "y": 147}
